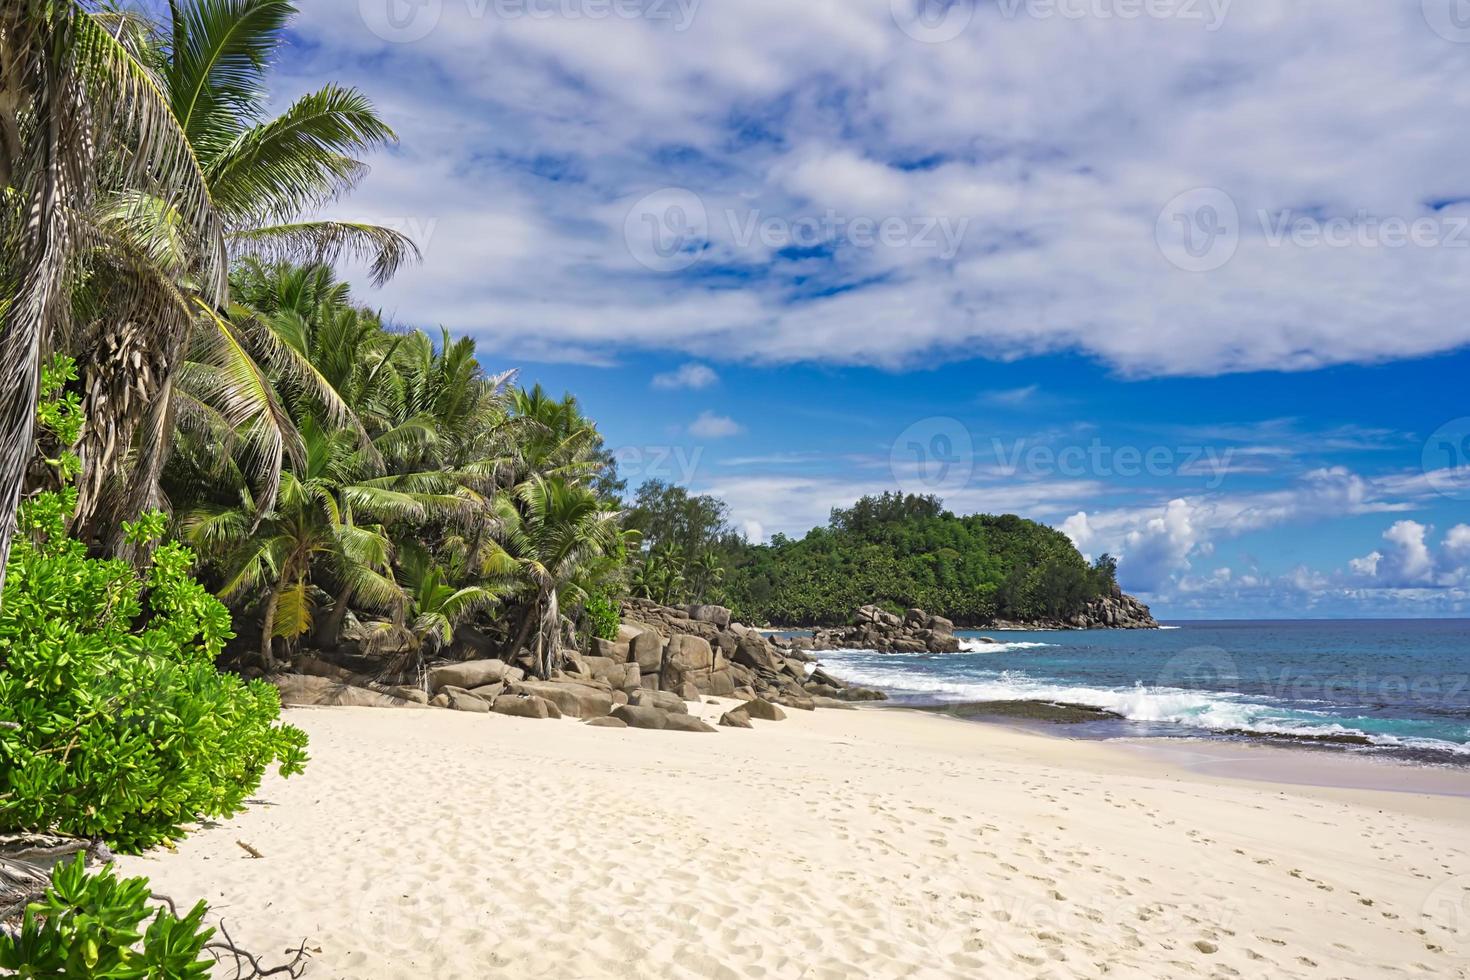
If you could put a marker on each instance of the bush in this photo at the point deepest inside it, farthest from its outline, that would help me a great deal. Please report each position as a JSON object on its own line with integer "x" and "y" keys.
{"x": 88, "y": 926}
{"x": 604, "y": 615}
{"x": 114, "y": 722}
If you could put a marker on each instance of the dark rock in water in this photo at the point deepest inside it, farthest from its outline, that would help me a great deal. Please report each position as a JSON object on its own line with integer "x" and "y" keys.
{"x": 1054, "y": 712}
{"x": 917, "y": 632}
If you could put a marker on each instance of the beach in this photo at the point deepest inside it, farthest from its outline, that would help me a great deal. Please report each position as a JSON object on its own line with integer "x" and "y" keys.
{"x": 869, "y": 843}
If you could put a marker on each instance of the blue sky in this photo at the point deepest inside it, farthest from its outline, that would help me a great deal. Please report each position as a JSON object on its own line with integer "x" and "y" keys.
{"x": 1185, "y": 279}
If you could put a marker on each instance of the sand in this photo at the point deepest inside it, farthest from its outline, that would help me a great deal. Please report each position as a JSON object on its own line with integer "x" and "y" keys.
{"x": 873, "y": 843}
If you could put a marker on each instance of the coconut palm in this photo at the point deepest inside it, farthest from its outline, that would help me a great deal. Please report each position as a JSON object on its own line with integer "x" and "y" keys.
{"x": 436, "y": 605}
{"x": 707, "y": 573}
{"x": 265, "y": 177}
{"x": 82, "y": 120}
{"x": 327, "y": 531}
{"x": 553, "y": 533}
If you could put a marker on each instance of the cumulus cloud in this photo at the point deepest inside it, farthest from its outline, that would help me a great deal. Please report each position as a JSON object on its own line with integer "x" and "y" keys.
{"x": 528, "y": 141}
{"x": 1159, "y": 548}
{"x": 1407, "y": 559}
{"x": 692, "y": 375}
{"x": 712, "y": 426}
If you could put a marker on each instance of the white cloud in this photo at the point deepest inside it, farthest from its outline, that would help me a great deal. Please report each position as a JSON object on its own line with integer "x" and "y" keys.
{"x": 1408, "y": 561}
{"x": 1154, "y": 551}
{"x": 712, "y": 426}
{"x": 1011, "y": 397}
{"x": 1078, "y": 530}
{"x": 525, "y": 140}
{"x": 692, "y": 375}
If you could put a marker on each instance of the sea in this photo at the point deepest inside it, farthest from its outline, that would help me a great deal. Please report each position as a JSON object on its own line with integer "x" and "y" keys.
{"x": 1394, "y": 688}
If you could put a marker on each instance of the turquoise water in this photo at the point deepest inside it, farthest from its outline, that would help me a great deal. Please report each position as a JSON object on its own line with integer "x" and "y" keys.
{"x": 1399, "y": 687}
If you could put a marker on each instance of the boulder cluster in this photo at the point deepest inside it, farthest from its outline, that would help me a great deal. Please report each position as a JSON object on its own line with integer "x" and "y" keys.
{"x": 662, "y": 658}
{"x": 1117, "y": 611}
{"x": 875, "y": 628}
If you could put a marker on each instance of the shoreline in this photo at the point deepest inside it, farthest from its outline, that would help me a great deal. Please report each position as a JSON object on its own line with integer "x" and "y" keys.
{"x": 871, "y": 842}
{"x": 1248, "y": 759}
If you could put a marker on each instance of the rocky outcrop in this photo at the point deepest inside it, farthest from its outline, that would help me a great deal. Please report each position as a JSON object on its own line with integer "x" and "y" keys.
{"x": 663, "y": 658}
{"x": 697, "y": 651}
{"x": 472, "y": 674}
{"x": 1118, "y": 611}
{"x": 875, "y": 628}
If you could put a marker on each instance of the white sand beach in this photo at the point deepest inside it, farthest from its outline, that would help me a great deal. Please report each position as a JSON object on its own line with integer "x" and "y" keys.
{"x": 872, "y": 843}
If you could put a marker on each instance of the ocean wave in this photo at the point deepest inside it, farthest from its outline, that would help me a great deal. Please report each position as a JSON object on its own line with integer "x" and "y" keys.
{"x": 976, "y": 646}
{"x": 1218, "y": 712}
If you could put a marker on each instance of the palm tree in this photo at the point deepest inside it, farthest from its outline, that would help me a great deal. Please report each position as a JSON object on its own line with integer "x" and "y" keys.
{"x": 558, "y": 530}
{"x": 264, "y": 177}
{"x": 707, "y": 574}
{"x": 436, "y": 606}
{"x": 82, "y": 120}
{"x": 315, "y": 536}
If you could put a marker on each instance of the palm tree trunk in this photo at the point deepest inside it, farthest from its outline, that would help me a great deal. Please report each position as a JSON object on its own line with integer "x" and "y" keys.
{"x": 526, "y": 619}
{"x": 267, "y": 628}
{"x": 329, "y": 633}
{"x": 548, "y": 636}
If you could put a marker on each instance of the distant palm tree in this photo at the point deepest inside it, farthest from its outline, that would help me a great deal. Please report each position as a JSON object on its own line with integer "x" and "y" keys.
{"x": 707, "y": 574}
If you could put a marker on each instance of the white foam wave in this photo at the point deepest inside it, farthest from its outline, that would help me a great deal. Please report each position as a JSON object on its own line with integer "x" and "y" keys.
{"x": 1207, "y": 711}
{"x": 979, "y": 646}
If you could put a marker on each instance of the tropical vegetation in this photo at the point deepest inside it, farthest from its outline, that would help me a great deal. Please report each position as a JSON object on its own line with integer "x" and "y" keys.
{"x": 903, "y": 551}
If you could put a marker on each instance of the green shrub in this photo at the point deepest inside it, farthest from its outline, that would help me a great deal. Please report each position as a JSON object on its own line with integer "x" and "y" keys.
{"x": 604, "y": 615}
{"x": 114, "y": 722}
{"x": 88, "y": 926}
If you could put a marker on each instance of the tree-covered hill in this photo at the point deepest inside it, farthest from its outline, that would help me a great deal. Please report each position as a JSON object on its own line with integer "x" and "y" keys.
{"x": 903, "y": 551}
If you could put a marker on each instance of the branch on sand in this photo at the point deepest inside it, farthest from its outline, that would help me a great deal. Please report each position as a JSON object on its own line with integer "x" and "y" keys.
{"x": 25, "y": 874}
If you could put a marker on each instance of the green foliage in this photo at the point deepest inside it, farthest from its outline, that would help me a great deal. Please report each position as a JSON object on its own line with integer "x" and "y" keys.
{"x": 684, "y": 534}
{"x": 900, "y": 551}
{"x": 118, "y": 724}
{"x": 604, "y": 615}
{"x": 91, "y": 926}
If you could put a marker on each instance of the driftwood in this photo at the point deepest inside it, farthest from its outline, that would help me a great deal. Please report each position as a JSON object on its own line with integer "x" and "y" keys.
{"x": 25, "y": 873}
